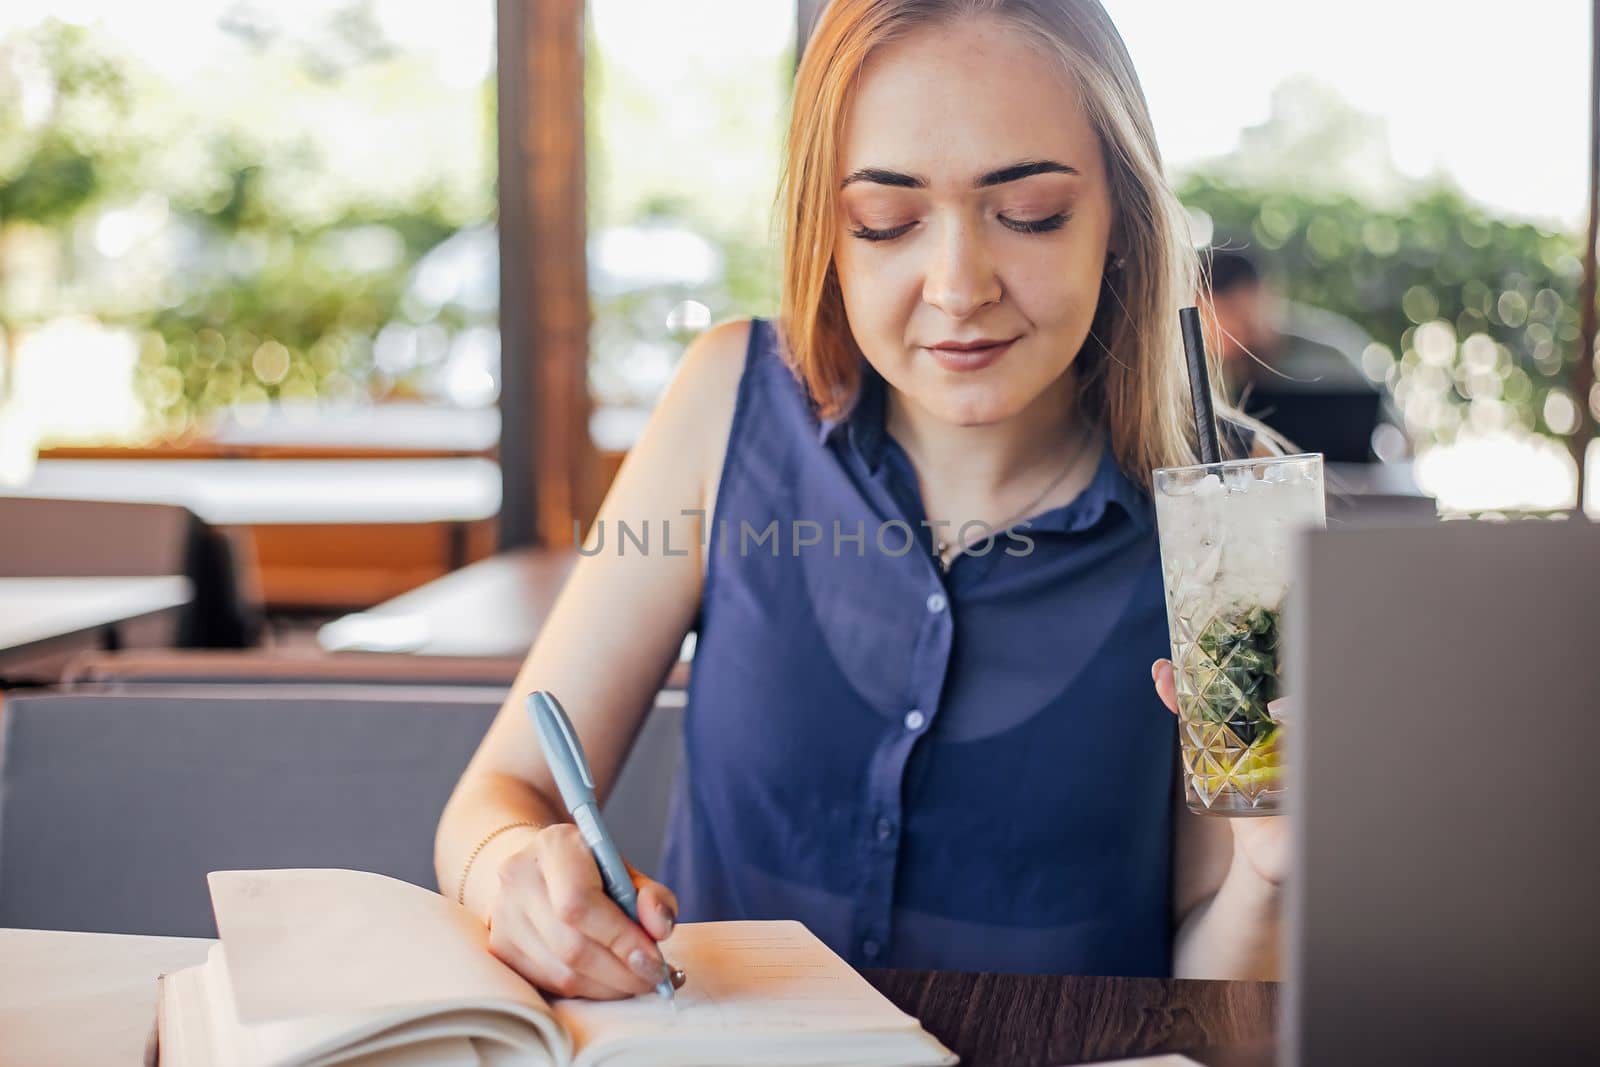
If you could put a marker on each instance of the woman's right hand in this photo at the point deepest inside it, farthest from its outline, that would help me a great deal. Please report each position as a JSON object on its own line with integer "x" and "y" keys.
{"x": 551, "y": 921}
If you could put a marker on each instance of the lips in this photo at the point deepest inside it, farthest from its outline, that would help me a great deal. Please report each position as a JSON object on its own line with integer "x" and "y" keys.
{"x": 964, "y": 358}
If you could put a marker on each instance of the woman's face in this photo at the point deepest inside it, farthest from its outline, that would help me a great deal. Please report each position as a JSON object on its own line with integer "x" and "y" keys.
{"x": 973, "y": 207}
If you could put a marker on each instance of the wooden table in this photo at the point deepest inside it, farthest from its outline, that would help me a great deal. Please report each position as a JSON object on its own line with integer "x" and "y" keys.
{"x": 1024, "y": 1020}
{"x": 40, "y": 617}
{"x": 70, "y": 999}
{"x": 83, "y": 999}
{"x": 494, "y": 607}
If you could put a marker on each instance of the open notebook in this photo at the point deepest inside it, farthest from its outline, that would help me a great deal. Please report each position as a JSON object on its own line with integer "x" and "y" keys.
{"x": 344, "y": 967}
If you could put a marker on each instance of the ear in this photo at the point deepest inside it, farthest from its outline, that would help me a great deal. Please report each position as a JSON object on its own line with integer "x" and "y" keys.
{"x": 1116, "y": 245}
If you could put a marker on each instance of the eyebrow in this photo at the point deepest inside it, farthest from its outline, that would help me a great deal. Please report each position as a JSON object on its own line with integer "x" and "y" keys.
{"x": 1014, "y": 172}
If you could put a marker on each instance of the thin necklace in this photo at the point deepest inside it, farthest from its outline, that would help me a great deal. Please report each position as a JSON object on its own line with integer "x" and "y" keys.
{"x": 942, "y": 547}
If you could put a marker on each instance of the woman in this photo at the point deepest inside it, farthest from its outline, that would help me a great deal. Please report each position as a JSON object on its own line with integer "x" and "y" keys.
{"x": 934, "y": 747}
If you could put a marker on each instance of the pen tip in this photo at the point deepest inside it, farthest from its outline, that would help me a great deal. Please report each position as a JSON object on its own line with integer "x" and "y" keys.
{"x": 672, "y": 978}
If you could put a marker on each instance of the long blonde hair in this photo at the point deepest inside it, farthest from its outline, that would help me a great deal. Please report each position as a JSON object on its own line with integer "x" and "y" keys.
{"x": 1131, "y": 367}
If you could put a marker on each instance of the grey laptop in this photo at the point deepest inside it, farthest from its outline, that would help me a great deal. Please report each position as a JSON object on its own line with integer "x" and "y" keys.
{"x": 1446, "y": 797}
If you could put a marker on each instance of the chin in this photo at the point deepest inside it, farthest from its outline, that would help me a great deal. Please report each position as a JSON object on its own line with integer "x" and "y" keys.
{"x": 968, "y": 406}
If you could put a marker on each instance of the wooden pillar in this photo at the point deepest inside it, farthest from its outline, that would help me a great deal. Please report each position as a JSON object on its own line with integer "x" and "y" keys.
{"x": 547, "y": 461}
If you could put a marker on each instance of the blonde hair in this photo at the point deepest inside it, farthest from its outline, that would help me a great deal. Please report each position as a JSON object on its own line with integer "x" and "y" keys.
{"x": 1131, "y": 370}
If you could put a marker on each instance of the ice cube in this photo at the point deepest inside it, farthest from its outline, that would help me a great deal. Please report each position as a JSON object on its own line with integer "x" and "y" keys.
{"x": 1207, "y": 562}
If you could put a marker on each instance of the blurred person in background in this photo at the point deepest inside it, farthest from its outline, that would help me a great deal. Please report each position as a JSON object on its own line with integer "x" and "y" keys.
{"x": 1292, "y": 367}
{"x": 1239, "y": 316}
{"x": 936, "y": 746}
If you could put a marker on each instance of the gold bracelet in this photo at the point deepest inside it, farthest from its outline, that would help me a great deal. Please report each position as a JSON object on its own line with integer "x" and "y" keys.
{"x": 461, "y": 891}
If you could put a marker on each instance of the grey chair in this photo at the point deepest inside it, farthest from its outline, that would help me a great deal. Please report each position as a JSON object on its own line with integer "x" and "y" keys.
{"x": 41, "y": 537}
{"x": 113, "y": 806}
{"x": 267, "y": 666}
{"x": 128, "y": 668}
{"x": 61, "y": 538}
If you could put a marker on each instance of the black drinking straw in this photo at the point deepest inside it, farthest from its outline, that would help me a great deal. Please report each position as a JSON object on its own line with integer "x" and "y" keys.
{"x": 1205, "y": 417}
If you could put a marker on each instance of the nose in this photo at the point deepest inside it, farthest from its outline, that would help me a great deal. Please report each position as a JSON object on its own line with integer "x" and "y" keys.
{"x": 961, "y": 277}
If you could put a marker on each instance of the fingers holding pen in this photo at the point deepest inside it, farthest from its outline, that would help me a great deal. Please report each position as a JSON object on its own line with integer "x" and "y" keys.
{"x": 513, "y": 939}
{"x": 581, "y": 922}
{"x": 658, "y": 905}
{"x": 553, "y": 922}
{"x": 658, "y": 914}
{"x": 595, "y": 920}
{"x": 595, "y": 960}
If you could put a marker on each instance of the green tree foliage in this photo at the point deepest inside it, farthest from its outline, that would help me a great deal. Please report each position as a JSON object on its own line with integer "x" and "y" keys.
{"x": 62, "y": 150}
{"x": 283, "y": 287}
{"x": 1475, "y": 318}
{"x": 275, "y": 293}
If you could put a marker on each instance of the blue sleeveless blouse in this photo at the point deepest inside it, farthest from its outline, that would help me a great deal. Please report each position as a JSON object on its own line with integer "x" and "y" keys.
{"x": 966, "y": 770}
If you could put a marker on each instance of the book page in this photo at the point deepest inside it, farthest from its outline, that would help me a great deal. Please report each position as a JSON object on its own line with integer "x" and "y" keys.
{"x": 303, "y": 943}
{"x": 200, "y": 1027}
{"x": 744, "y": 978}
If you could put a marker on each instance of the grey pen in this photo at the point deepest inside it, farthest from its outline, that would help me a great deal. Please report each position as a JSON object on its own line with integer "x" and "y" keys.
{"x": 564, "y": 754}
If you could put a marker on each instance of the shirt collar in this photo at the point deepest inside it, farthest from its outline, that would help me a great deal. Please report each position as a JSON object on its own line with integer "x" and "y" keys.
{"x": 1109, "y": 486}
{"x": 861, "y": 428}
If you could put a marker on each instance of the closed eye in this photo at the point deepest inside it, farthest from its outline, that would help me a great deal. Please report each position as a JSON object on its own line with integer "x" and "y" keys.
{"x": 1054, "y": 222}
{"x": 1046, "y": 225}
{"x": 867, "y": 234}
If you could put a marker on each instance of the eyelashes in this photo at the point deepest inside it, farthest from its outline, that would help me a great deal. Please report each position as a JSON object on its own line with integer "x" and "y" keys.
{"x": 1054, "y": 222}
{"x": 867, "y": 234}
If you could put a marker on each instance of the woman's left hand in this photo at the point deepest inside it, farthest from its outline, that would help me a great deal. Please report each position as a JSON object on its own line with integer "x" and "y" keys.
{"x": 1262, "y": 841}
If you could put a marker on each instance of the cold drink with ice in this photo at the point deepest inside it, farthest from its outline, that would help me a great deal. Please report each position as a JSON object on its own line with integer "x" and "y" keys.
{"x": 1225, "y": 530}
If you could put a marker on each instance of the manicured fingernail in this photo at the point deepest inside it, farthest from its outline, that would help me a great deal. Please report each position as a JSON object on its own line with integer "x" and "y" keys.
{"x": 678, "y": 977}
{"x": 645, "y": 965}
{"x": 668, "y": 920}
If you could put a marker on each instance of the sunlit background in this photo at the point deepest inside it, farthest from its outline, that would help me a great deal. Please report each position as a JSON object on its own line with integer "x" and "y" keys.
{"x": 247, "y": 214}
{"x": 1420, "y": 170}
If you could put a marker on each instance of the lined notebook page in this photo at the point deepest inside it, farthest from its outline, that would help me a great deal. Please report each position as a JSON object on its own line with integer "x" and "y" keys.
{"x": 751, "y": 977}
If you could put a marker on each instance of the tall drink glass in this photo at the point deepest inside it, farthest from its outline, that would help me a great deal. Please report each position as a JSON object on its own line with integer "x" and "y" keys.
{"x": 1225, "y": 530}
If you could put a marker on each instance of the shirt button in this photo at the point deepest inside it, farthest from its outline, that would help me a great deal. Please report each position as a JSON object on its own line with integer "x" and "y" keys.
{"x": 915, "y": 719}
{"x": 885, "y": 829}
{"x": 870, "y": 949}
{"x": 936, "y": 603}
